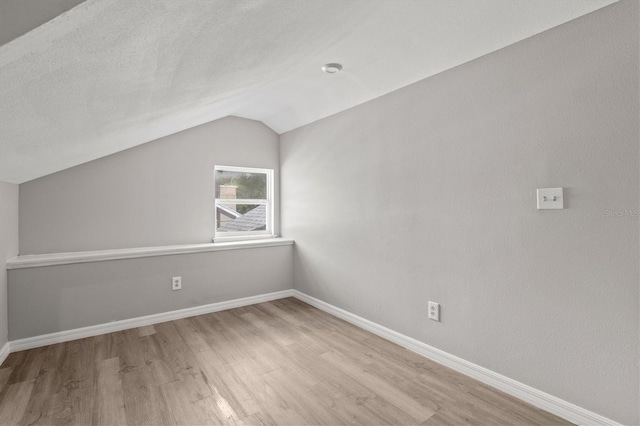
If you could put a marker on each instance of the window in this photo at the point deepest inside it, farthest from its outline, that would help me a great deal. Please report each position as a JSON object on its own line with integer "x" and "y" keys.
{"x": 243, "y": 203}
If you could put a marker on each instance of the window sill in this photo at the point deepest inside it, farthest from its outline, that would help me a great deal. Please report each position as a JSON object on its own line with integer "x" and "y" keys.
{"x": 238, "y": 238}
{"x": 53, "y": 259}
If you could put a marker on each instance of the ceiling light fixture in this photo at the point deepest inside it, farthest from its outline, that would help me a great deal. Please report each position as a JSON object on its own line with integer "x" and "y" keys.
{"x": 332, "y": 68}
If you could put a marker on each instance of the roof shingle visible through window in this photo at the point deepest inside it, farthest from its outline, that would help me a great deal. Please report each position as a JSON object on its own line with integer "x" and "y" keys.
{"x": 253, "y": 220}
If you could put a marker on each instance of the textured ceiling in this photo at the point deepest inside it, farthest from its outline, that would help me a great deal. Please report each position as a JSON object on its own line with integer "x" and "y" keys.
{"x": 111, "y": 74}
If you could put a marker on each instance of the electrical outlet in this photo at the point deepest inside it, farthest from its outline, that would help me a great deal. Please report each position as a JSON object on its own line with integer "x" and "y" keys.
{"x": 434, "y": 311}
{"x": 176, "y": 283}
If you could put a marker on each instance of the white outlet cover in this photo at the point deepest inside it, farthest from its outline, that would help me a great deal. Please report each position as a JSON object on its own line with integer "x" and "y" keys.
{"x": 434, "y": 311}
{"x": 550, "y": 198}
{"x": 176, "y": 283}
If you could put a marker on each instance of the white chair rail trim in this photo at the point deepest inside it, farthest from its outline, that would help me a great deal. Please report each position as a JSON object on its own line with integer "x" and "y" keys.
{"x": 53, "y": 259}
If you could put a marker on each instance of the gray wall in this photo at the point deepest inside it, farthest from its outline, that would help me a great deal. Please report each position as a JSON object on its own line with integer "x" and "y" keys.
{"x": 160, "y": 193}
{"x": 8, "y": 246}
{"x": 428, "y": 193}
{"x": 20, "y": 16}
{"x": 57, "y": 298}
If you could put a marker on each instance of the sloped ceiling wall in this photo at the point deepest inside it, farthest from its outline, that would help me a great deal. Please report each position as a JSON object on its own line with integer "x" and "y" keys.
{"x": 111, "y": 74}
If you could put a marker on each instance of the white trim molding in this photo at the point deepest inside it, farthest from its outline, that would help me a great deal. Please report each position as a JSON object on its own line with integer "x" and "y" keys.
{"x": 526, "y": 393}
{"x": 96, "y": 330}
{"x": 53, "y": 259}
{"x": 4, "y": 352}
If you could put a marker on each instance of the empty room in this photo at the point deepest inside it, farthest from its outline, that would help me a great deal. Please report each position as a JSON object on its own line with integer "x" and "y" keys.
{"x": 319, "y": 212}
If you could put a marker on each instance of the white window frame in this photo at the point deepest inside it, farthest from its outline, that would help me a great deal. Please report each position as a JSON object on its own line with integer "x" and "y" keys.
{"x": 245, "y": 235}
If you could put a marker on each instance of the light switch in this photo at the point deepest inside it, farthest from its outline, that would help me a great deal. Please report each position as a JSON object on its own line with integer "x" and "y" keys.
{"x": 550, "y": 198}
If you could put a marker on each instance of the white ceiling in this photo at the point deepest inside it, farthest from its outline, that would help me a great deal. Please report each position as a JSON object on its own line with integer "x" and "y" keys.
{"x": 111, "y": 74}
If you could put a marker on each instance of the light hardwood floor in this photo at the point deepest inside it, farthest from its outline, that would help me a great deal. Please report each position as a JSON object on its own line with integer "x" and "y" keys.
{"x": 282, "y": 362}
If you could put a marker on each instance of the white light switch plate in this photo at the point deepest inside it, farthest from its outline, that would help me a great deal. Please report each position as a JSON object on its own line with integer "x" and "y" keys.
{"x": 550, "y": 198}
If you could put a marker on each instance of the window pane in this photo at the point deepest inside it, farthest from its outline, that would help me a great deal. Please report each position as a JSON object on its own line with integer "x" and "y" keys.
{"x": 241, "y": 217}
{"x": 231, "y": 185}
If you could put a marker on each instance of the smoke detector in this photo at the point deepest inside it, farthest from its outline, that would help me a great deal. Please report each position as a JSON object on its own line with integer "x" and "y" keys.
{"x": 332, "y": 68}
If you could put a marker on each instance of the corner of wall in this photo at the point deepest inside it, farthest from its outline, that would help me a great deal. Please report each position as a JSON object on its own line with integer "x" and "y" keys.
{"x": 9, "y": 196}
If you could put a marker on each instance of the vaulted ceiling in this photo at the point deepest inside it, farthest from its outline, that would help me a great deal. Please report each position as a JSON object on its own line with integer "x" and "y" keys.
{"x": 108, "y": 75}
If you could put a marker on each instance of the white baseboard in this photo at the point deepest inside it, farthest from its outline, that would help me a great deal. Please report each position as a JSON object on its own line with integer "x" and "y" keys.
{"x": 95, "y": 330}
{"x": 4, "y": 352}
{"x": 540, "y": 399}
{"x": 526, "y": 393}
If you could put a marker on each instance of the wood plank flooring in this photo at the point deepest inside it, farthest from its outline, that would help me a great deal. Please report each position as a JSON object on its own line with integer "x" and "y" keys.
{"x": 282, "y": 362}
